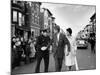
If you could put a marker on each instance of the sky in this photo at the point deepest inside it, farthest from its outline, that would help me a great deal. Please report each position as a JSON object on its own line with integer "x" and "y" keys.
{"x": 70, "y": 15}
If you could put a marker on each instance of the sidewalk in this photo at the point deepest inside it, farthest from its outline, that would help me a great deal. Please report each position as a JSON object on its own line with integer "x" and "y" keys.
{"x": 30, "y": 68}
{"x": 25, "y": 69}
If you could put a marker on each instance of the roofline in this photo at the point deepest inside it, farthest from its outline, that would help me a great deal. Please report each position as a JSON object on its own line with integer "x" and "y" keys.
{"x": 94, "y": 15}
{"x": 48, "y": 11}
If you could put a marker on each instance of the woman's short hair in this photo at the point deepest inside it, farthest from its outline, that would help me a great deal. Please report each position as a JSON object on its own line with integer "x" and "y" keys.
{"x": 69, "y": 30}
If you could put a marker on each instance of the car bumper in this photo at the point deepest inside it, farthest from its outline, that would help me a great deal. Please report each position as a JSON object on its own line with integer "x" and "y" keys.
{"x": 82, "y": 46}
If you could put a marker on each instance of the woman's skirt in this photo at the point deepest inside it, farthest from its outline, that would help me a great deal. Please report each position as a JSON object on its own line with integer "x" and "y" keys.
{"x": 70, "y": 60}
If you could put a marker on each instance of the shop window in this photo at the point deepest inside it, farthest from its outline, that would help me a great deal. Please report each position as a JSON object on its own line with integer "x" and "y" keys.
{"x": 32, "y": 33}
{"x": 15, "y": 16}
{"x": 36, "y": 32}
{"x": 12, "y": 31}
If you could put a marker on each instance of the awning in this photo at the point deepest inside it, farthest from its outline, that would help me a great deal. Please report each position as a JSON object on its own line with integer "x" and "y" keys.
{"x": 23, "y": 28}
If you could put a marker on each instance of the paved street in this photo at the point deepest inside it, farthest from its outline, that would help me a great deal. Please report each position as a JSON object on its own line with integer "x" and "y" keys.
{"x": 85, "y": 61}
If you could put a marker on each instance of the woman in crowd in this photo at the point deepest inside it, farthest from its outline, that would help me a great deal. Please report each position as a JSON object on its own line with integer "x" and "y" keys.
{"x": 32, "y": 46}
{"x": 70, "y": 56}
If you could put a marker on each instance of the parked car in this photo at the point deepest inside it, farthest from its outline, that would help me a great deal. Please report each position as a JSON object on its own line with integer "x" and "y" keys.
{"x": 81, "y": 43}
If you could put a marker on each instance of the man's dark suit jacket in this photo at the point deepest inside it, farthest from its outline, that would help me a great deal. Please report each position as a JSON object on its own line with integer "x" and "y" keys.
{"x": 59, "y": 50}
{"x": 42, "y": 41}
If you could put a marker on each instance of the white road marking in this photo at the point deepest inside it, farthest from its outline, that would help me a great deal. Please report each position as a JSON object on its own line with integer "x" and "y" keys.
{"x": 76, "y": 64}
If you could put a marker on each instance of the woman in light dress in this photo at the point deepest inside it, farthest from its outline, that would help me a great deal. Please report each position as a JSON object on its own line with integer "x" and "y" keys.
{"x": 32, "y": 45}
{"x": 70, "y": 56}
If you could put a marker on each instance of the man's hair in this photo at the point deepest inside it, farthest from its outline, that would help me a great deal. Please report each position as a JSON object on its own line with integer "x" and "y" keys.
{"x": 45, "y": 30}
{"x": 57, "y": 28}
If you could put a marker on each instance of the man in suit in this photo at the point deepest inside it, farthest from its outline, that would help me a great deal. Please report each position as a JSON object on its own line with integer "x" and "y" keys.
{"x": 42, "y": 50}
{"x": 59, "y": 43}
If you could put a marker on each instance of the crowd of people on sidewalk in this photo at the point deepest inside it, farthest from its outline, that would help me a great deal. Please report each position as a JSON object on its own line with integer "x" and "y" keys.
{"x": 22, "y": 51}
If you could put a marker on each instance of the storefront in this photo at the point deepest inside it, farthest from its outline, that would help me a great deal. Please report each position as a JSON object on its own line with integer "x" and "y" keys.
{"x": 23, "y": 32}
{"x": 35, "y": 31}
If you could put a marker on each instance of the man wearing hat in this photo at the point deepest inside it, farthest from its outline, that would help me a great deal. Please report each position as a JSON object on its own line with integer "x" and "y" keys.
{"x": 59, "y": 43}
{"x": 42, "y": 51}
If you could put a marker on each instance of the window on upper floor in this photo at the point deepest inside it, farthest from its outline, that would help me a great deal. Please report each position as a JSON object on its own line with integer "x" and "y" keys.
{"x": 23, "y": 20}
{"x": 38, "y": 21}
{"x": 48, "y": 22}
{"x": 14, "y": 1}
{"x": 14, "y": 16}
{"x": 35, "y": 7}
{"x": 20, "y": 19}
{"x": 32, "y": 18}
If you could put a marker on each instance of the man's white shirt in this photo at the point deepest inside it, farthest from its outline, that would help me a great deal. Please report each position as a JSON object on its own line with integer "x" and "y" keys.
{"x": 58, "y": 36}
